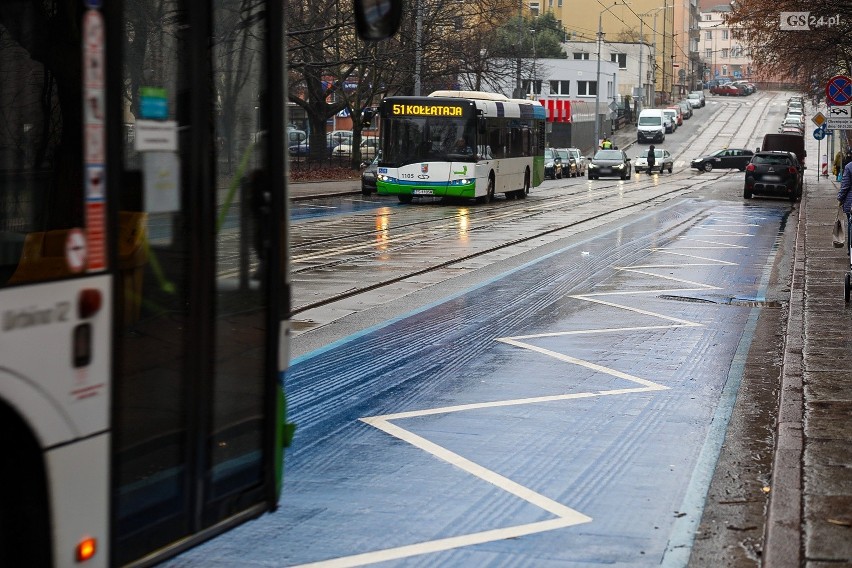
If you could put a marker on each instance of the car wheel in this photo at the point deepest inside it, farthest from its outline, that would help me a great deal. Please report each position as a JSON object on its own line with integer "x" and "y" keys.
{"x": 847, "y": 287}
{"x": 365, "y": 190}
{"x": 746, "y": 193}
{"x": 708, "y": 166}
{"x": 670, "y": 169}
{"x": 590, "y": 176}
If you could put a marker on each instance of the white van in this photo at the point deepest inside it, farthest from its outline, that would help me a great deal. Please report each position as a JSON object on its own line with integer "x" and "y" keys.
{"x": 651, "y": 126}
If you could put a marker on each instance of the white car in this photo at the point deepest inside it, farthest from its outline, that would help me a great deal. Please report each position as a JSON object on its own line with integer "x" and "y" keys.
{"x": 662, "y": 160}
{"x": 369, "y": 147}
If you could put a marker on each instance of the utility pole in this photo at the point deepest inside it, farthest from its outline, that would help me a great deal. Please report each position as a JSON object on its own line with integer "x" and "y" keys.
{"x": 418, "y": 50}
{"x": 598, "y": 83}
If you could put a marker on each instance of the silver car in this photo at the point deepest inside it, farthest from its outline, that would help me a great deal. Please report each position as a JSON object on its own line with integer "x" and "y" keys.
{"x": 582, "y": 161}
{"x": 662, "y": 160}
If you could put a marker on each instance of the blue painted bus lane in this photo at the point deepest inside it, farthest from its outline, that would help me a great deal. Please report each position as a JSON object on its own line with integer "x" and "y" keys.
{"x": 568, "y": 413}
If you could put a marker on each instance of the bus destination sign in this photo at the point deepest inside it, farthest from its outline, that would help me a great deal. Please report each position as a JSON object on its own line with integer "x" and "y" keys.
{"x": 426, "y": 110}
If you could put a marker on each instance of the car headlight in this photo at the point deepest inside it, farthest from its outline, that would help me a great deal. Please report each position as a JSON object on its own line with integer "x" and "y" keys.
{"x": 618, "y": 166}
{"x": 548, "y": 164}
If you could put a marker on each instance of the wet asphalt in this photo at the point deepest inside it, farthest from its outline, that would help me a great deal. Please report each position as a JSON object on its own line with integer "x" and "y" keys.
{"x": 781, "y": 495}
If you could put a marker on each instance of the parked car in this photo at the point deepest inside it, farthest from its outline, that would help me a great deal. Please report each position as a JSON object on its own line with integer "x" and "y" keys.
{"x": 369, "y": 172}
{"x": 774, "y": 173}
{"x": 610, "y": 163}
{"x": 678, "y": 113}
{"x": 671, "y": 114}
{"x": 686, "y": 109}
{"x": 727, "y": 158}
{"x": 582, "y": 162}
{"x": 696, "y": 99}
{"x": 726, "y": 90}
{"x": 552, "y": 164}
{"x": 663, "y": 160}
{"x": 369, "y": 148}
{"x": 792, "y": 123}
{"x": 569, "y": 164}
{"x": 652, "y": 126}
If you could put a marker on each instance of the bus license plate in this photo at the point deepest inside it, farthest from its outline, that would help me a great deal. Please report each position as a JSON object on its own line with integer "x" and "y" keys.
{"x": 422, "y": 192}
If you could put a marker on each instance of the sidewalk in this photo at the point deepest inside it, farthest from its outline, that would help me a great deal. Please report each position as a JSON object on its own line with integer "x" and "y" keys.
{"x": 810, "y": 509}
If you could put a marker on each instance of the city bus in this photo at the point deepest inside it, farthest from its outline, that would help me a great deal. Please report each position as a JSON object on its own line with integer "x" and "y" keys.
{"x": 144, "y": 294}
{"x": 464, "y": 144}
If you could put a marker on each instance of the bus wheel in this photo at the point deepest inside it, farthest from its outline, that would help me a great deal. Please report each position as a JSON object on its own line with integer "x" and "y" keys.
{"x": 405, "y": 198}
{"x": 489, "y": 193}
{"x": 523, "y": 193}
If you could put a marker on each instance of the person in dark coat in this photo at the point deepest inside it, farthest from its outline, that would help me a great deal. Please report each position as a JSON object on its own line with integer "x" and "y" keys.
{"x": 652, "y": 159}
{"x": 844, "y": 196}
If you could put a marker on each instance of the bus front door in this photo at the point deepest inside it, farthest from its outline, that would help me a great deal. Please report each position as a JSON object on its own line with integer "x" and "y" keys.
{"x": 196, "y": 364}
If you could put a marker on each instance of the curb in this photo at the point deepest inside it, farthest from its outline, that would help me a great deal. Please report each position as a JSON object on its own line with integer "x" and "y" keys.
{"x": 783, "y": 539}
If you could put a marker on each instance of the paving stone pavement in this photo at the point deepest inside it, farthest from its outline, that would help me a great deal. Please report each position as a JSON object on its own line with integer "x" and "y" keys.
{"x": 810, "y": 511}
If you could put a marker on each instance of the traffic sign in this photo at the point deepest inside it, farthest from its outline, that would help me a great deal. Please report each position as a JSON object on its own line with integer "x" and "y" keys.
{"x": 838, "y": 90}
{"x": 819, "y": 133}
{"x": 838, "y": 123}
{"x": 818, "y": 119}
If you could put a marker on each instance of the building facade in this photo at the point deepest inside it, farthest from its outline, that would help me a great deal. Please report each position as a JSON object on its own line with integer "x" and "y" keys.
{"x": 670, "y": 27}
{"x": 721, "y": 55}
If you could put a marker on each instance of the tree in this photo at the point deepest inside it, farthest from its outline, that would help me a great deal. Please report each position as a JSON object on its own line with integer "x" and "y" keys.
{"x": 808, "y": 56}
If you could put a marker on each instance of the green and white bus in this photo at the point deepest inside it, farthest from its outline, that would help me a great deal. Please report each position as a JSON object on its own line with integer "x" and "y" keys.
{"x": 465, "y": 144}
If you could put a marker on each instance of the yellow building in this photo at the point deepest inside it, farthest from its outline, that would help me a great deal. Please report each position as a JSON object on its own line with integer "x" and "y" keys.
{"x": 670, "y": 25}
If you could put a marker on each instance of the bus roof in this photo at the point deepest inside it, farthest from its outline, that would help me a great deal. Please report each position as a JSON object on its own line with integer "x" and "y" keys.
{"x": 478, "y": 95}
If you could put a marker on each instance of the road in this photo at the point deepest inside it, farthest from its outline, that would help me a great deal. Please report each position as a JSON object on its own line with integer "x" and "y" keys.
{"x": 546, "y": 382}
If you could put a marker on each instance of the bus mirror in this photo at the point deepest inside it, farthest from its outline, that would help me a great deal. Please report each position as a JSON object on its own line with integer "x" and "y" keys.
{"x": 377, "y": 19}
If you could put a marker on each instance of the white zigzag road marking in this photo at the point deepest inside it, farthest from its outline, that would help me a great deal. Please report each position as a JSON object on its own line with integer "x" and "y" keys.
{"x": 565, "y": 516}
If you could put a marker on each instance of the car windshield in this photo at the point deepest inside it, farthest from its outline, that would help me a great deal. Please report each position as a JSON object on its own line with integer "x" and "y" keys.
{"x": 693, "y": 96}
{"x": 649, "y": 121}
{"x": 549, "y": 154}
{"x": 608, "y": 155}
{"x": 563, "y": 154}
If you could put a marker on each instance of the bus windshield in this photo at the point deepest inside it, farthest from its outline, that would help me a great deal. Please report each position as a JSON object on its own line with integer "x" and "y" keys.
{"x": 409, "y": 139}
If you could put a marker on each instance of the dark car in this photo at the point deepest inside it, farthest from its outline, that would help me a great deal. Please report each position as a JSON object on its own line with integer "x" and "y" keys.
{"x": 570, "y": 167}
{"x": 774, "y": 173}
{"x": 368, "y": 176}
{"x": 552, "y": 164}
{"x": 727, "y": 158}
{"x": 610, "y": 163}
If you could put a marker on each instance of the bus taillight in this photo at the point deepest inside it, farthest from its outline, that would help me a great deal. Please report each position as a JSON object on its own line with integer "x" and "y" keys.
{"x": 86, "y": 549}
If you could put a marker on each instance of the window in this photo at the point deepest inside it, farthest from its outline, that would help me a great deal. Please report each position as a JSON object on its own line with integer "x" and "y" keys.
{"x": 550, "y": 3}
{"x": 708, "y": 53}
{"x": 534, "y": 6}
{"x": 560, "y": 88}
{"x": 724, "y": 70}
{"x": 532, "y": 87}
{"x": 620, "y": 58}
{"x": 559, "y": 3}
{"x": 725, "y": 53}
{"x": 587, "y": 88}
{"x": 581, "y": 55}
{"x": 708, "y": 17}
{"x": 708, "y": 34}
{"x": 724, "y": 34}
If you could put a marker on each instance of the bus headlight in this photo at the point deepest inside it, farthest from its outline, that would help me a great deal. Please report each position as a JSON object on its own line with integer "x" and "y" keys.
{"x": 461, "y": 182}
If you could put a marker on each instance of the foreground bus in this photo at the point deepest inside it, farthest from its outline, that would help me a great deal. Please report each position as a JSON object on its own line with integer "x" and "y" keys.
{"x": 464, "y": 144}
{"x": 143, "y": 284}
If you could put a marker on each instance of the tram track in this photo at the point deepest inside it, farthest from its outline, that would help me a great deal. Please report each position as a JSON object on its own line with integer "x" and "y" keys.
{"x": 396, "y": 235}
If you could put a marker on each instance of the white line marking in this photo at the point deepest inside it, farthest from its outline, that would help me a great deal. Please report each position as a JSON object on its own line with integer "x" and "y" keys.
{"x": 566, "y": 516}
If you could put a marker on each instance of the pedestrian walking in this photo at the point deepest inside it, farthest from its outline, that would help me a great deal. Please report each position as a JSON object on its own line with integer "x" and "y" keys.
{"x": 838, "y": 165}
{"x": 844, "y": 196}
{"x": 652, "y": 159}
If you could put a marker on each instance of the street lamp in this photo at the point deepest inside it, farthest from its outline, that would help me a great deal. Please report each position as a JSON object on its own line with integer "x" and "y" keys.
{"x": 598, "y": 79}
